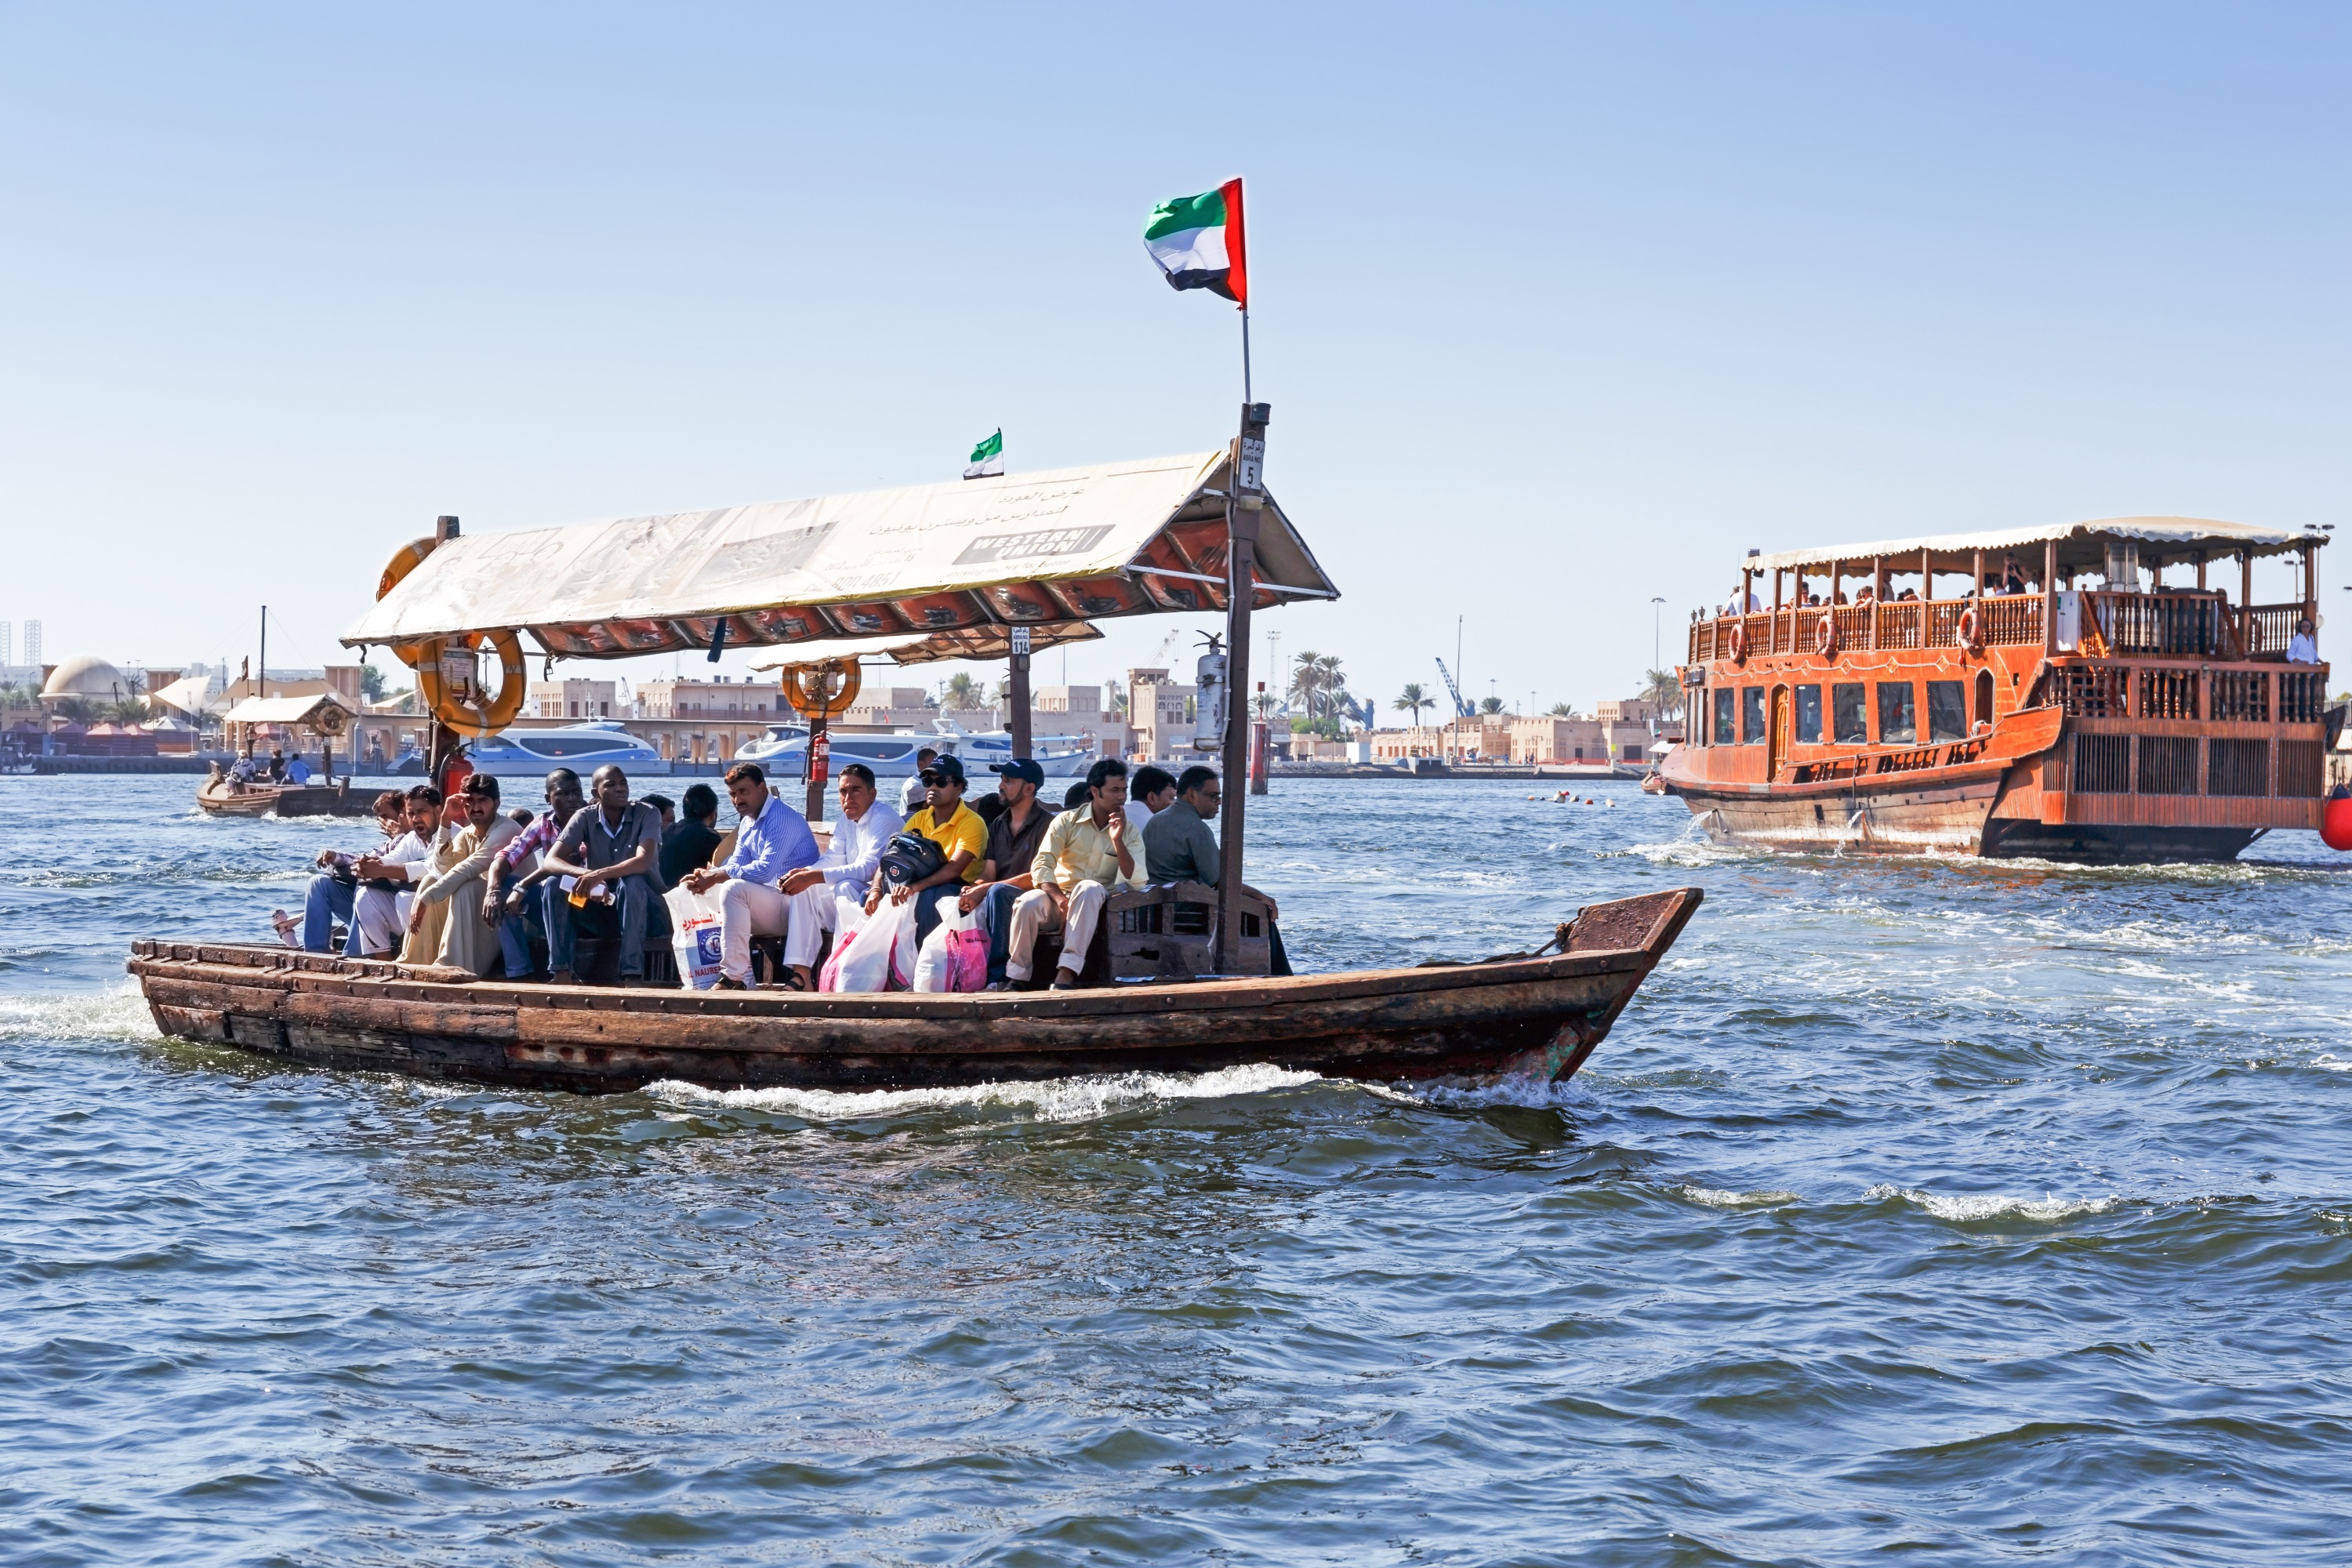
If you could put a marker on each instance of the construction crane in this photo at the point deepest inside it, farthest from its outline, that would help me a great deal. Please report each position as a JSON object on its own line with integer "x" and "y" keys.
{"x": 1460, "y": 709}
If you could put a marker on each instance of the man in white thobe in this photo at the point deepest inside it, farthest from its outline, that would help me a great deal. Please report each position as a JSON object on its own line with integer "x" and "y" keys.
{"x": 845, "y": 871}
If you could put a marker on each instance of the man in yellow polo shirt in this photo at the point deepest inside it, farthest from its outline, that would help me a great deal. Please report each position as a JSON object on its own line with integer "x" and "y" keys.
{"x": 962, "y": 839}
{"x": 1086, "y": 853}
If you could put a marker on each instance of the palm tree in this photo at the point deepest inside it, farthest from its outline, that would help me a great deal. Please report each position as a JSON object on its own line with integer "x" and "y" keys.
{"x": 1662, "y": 692}
{"x": 128, "y": 710}
{"x": 78, "y": 711}
{"x": 1412, "y": 699}
{"x": 1490, "y": 705}
{"x": 1307, "y": 681}
{"x": 961, "y": 691}
{"x": 1562, "y": 711}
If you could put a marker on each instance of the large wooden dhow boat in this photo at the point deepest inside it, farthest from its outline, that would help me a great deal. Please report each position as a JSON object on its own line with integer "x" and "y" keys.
{"x": 997, "y": 567}
{"x": 2101, "y": 714}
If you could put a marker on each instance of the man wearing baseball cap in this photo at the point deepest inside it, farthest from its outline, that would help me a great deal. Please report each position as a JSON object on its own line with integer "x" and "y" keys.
{"x": 959, "y": 832}
{"x": 1013, "y": 840}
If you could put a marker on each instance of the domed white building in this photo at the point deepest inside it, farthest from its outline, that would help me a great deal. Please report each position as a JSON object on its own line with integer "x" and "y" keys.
{"x": 84, "y": 674}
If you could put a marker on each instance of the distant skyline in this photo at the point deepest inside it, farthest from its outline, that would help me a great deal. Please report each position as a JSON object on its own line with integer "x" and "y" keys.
{"x": 1559, "y": 308}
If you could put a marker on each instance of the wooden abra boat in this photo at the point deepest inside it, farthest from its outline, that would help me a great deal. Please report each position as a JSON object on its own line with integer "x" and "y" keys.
{"x": 1537, "y": 1015}
{"x": 2128, "y": 721}
{"x": 220, "y": 798}
{"x": 323, "y": 715}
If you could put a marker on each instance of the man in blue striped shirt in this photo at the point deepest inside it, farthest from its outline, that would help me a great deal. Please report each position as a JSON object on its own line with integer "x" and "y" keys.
{"x": 772, "y": 839}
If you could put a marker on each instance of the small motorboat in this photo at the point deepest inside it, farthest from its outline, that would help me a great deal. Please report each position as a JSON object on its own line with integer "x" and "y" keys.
{"x": 583, "y": 747}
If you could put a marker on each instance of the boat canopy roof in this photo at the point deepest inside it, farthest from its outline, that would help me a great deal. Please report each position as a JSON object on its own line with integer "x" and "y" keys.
{"x": 310, "y": 712}
{"x": 2079, "y": 544}
{"x": 1071, "y": 545}
{"x": 972, "y": 642}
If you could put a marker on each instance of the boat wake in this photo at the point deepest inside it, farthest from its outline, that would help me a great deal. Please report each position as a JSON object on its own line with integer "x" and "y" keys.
{"x": 1051, "y": 1099}
{"x": 1991, "y": 1205}
{"x": 76, "y": 1015}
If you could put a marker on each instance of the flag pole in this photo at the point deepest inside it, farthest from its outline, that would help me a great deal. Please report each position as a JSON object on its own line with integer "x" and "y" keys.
{"x": 1246, "y": 365}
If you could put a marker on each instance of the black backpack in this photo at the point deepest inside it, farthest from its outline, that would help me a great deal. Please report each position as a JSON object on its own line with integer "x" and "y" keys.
{"x": 909, "y": 858}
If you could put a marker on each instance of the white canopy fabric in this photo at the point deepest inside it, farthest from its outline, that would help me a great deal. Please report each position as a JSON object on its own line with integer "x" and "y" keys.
{"x": 289, "y": 711}
{"x": 186, "y": 694}
{"x": 975, "y": 642}
{"x": 2077, "y": 541}
{"x": 1021, "y": 550}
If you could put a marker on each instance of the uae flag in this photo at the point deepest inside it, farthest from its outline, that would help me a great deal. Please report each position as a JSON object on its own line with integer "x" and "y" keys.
{"x": 987, "y": 459}
{"x": 1197, "y": 241}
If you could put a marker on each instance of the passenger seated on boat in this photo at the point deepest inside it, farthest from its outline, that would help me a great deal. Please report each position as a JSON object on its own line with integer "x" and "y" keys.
{"x": 963, "y": 839}
{"x": 453, "y": 840}
{"x": 1908, "y": 596}
{"x": 277, "y": 765}
{"x": 1084, "y": 854}
{"x": 336, "y": 885}
{"x": 846, "y": 871}
{"x": 297, "y": 772}
{"x": 610, "y": 849}
{"x": 665, "y": 808}
{"x": 1013, "y": 835}
{"x": 244, "y": 770}
{"x": 515, "y": 912}
{"x": 1148, "y": 794}
{"x": 1179, "y": 847}
{"x": 912, "y": 795}
{"x": 381, "y": 909}
{"x": 771, "y": 840}
{"x": 1075, "y": 797}
{"x": 466, "y": 940}
{"x": 2304, "y": 646}
{"x": 688, "y": 846}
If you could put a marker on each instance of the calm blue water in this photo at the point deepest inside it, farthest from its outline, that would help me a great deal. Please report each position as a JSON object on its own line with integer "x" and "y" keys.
{"x": 1918, "y": 1211}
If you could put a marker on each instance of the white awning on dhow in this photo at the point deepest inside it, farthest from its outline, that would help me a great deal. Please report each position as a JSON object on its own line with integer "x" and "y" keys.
{"x": 325, "y": 712}
{"x": 1116, "y": 539}
{"x": 982, "y": 643}
{"x": 2078, "y": 543}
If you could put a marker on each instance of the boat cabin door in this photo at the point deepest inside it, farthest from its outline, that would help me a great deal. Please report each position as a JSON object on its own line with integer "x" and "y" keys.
{"x": 1782, "y": 731}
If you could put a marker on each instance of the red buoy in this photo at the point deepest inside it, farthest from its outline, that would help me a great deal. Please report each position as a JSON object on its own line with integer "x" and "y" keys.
{"x": 2335, "y": 827}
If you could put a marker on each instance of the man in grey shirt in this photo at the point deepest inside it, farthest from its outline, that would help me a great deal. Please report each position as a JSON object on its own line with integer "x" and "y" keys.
{"x": 611, "y": 844}
{"x": 1179, "y": 847}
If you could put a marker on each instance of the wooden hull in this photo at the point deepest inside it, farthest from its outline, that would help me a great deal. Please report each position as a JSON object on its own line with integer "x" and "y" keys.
{"x": 1538, "y": 1017}
{"x": 282, "y": 800}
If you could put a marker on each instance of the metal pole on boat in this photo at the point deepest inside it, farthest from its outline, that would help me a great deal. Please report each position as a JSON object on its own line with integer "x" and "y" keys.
{"x": 261, "y": 665}
{"x": 1016, "y": 693}
{"x": 1245, "y": 507}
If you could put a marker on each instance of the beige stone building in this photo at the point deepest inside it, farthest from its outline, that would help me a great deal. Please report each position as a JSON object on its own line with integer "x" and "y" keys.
{"x": 571, "y": 700}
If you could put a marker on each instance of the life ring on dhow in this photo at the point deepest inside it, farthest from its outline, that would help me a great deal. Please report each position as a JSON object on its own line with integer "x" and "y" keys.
{"x": 455, "y": 701}
{"x": 1739, "y": 642}
{"x": 1825, "y": 634}
{"x": 1968, "y": 629}
{"x": 806, "y": 687}
{"x": 405, "y": 560}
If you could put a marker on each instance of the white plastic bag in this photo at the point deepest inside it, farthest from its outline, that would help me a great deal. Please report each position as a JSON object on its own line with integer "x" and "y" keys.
{"x": 861, "y": 951}
{"x": 935, "y": 964}
{"x": 902, "y": 946}
{"x": 695, "y": 937}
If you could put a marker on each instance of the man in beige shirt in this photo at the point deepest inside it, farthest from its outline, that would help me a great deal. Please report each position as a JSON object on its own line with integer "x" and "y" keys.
{"x": 1086, "y": 852}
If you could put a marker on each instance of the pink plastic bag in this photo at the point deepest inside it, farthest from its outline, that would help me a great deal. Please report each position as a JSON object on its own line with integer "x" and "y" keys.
{"x": 968, "y": 959}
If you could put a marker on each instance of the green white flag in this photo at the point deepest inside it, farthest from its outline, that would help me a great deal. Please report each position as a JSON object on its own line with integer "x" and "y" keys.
{"x": 987, "y": 459}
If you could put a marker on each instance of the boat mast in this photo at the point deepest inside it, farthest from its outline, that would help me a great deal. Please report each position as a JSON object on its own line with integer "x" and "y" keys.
{"x": 1245, "y": 507}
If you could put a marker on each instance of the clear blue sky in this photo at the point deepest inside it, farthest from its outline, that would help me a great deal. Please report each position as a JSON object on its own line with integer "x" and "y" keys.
{"x": 1559, "y": 308}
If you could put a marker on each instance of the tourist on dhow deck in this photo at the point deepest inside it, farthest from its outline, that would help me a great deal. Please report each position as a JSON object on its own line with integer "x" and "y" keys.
{"x": 466, "y": 941}
{"x": 1086, "y": 852}
{"x": 845, "y": 871}
{"x": 335, "y": 886}
{"x": 1013, "y": 835}
{"x": 771, "y": 840}
{"x": 381, "y": 909}
{"x": 963, "y": 839}
{"x": 609, "y": 849}
{"x": 2304, "y": 646}
{"x": 511, "y": 913}
{"x": 1179, "y": 847}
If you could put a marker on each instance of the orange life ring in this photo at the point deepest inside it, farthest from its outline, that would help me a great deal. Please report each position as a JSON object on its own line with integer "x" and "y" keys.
{"x": 1825, "y": 634}
{"x": 1967, "y": 627}
{"x": 457, "y": 702}
{"x": 806, "y": 687}
{"x": 1739, "y": 642}
{"x": 405, "y": 560}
